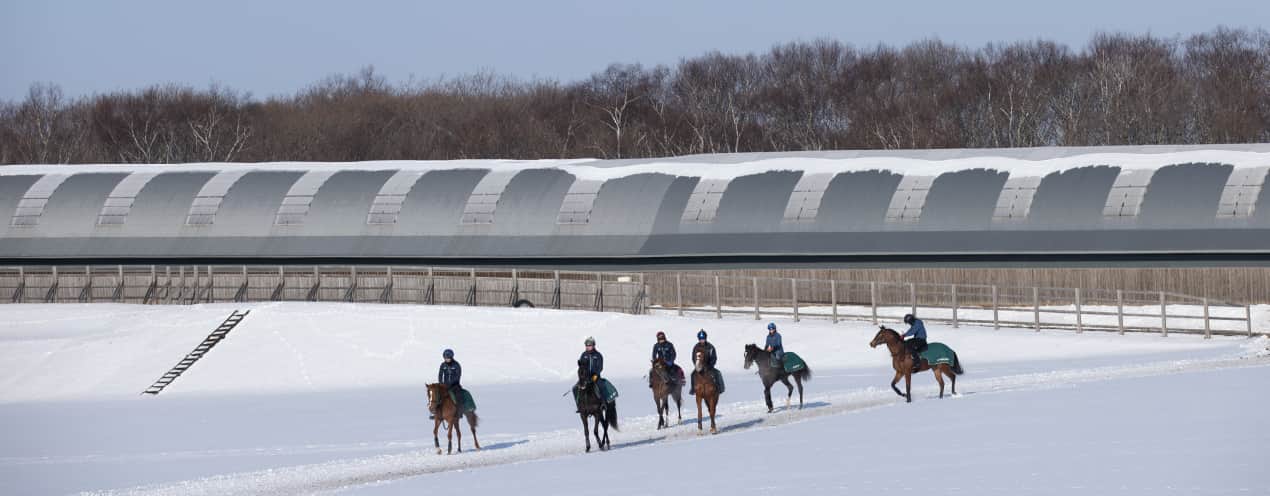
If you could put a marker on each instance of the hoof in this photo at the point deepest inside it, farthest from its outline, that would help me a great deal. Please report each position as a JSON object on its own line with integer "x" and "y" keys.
{"x": 438, "y": 451}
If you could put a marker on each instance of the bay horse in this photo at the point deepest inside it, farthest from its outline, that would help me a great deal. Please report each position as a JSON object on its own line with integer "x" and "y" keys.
{"x": 444, "y": 409}
{"x": 706, "y": 389}
{"x": 902, "y": 362}
{"x": 589, "y": 405}
{"x": 770, "y": 375}
{"x": 665, "y": 388}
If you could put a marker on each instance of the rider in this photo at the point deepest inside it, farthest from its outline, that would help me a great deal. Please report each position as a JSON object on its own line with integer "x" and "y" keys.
{"x": 449, "y": 374}
{"x": 917, "y": 330}
{"x": 774, "y": 346}
{"x": 593, "y": 362}
{"x": 706, "y": 350}
{"x": 664, "y": 351}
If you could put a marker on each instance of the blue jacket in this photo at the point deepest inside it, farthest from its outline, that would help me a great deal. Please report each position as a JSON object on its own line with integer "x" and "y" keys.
{"x": 664, "y": 352}
{"x": 917, "y": 330}
{"x": 593, "y": 361}
{"x": 774, "y": 341}
{"x": 449, "y": 373}
{"x": 707, "y": 350}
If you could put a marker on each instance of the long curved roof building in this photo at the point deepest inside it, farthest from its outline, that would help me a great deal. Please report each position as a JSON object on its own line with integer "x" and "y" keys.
{"x": 1184, "y": 203}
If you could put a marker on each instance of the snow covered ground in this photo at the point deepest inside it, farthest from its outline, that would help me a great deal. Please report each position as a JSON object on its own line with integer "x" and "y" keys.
{"x": 304, "y": 398}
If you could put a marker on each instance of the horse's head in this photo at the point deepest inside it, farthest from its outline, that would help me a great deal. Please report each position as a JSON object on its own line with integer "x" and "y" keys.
{"x": 751, "y": 354}
{"x": 699, "y": 361}
{"x": 584, "y": 377}
{"x": 885, "y": 335}
{"x": 436, "y": 394}
{"x": 659, "y": 365}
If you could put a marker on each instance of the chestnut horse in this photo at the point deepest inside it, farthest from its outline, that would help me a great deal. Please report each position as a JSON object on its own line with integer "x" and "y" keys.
{"x": 665, "y": 388}
{"x": 706, "y": 389}
{"x": 902, "y": 361}
{"x": 443, "y": 409}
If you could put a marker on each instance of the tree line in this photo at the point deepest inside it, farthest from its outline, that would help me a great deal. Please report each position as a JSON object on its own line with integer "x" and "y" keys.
{"x": 1121, "y": 89}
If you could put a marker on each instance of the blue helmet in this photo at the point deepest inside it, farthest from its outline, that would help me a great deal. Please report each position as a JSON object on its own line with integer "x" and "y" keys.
{"x": 771, "y": 326}
{"x": 701, "y": 334}
{"x": 448, "y": 353}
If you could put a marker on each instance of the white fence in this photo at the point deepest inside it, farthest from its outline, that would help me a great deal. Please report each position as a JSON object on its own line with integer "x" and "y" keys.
{"x": 956, "y": 304}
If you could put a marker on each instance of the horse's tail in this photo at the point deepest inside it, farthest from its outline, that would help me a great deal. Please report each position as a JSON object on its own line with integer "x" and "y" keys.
{"x": 957, "y": 365}
{"x": 610, "y": 415}
{"x": 804, "y": 374}
{"x": 473, "y": 419}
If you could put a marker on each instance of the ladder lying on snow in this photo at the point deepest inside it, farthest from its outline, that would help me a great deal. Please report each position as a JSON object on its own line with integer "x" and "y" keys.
{"x": 215, "y": 337}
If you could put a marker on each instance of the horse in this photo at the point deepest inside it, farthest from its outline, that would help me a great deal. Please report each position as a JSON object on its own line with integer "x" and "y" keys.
{"x": 902, "y": 361}
{"x": 770, "y": 375}
{"x": 444, "y": 409}
{"x": 706, "y": 389}
{"x": 664, "y": 389}
{"x": 589, "y": 405}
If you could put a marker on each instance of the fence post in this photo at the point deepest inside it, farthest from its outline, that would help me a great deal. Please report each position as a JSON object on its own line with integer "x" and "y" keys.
{"x": 471, "y": 292}
{"x": 211, "y": 286}
{"x": 718, "y": 301}
{"x": 1036, "y": 309}
{"x": 873, "y": 300}
{"x": 1208, "y": 332}
{"x": 388, "y": 286}
{"x": 180, "y": 285}
{"x": 956, "y": 324}
{"x": 515, "y": 287}
{"x": 556, "y": 297}
{"x": 996, "y": 321}
{"x": 912, "y": 297}
{"x": 1164, "y": 316}
{"x": 599, "y": 291}
{"x": 1080, "y": 324}
{"x": 1248, "y": 318}
{"x": 754, "y": 281}
{"x": 679, "y": 294}
{"x": 167, "y": 284}
{"x": 793, "y": 287}
{"x": 87, "y": 291}
{"x": 20, "y": 295}
{"x": 1120, "y": 310}
{"x": 51, "y": 295}
{"x": 119, "y": 288}
{"x": 833, "y": 295}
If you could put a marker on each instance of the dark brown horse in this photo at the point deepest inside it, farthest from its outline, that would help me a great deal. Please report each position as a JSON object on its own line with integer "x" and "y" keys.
{"x": 902, "y": 361}
{"x": 665, "y": 388}
{"x": 707, "y": 391}
{"x": 444, "y": 409}
{"x": 590, "y": 405}
{"x": 770, "y": 374}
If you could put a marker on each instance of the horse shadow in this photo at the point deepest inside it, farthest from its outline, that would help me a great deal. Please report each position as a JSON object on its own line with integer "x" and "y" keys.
{"x": 741, "y": 425}
{"x": 806, "y": 406}
{"x": 504, "y": 445}
{"x": 642, "y": 442}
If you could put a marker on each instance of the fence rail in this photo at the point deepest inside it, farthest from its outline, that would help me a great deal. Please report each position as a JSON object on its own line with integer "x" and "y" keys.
{"x": 599, "y": 291}
{"x": 999, "y": 306}
{"x": 628, "y": 292}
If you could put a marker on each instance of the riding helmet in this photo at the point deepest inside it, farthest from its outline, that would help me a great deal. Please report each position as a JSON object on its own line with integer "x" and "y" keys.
{"x": 661, "y": 335}
{"x": 590, "y": 341}
{"x": 771, "y": 326}
{"x": 908, "y": 318}
{"x": 701, "y": 334}
{"x": 447, "y": 353}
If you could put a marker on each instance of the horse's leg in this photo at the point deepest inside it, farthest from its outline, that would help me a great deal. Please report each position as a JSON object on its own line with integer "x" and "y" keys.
{"x": 895, "y": 381}
{"x": 799, "y": 381}
{"x": 939, "y": 377}
{"x": 767, "y": 395}
{"x": 471, "y": 424}
{"x": 678, "y": 394}
{"x": 436, "y": 426}
{"x": 449, "y": 438}
{"x": 602, "y": 420}
{"x": 714, "y": 402}
{"x": 458, "y": 430}
{"x": 586, "y": 432}
{"x": 908, "y": 387}
{"x": 953, "y": 377}
{"x": 790, "y": 393}
{"x": 657, "y": 403}
{"x": 699, "y": 395}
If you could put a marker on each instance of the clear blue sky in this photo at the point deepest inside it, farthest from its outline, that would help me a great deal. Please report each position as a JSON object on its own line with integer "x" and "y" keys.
{"x": 272, "y": 47}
